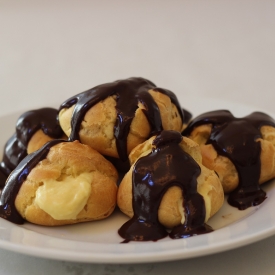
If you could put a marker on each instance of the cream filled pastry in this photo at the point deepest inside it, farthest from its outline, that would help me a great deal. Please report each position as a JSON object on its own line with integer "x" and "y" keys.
{"x": 115, "y": 117}
{"x": 61, "y": 183}
{"x": 240, "y": 150}
{"x": 168, "y": 187}
{"x": 33, "y": 129}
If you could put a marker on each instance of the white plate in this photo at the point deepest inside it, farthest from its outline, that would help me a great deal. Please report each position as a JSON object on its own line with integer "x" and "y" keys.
{"x": 98, "y": 242}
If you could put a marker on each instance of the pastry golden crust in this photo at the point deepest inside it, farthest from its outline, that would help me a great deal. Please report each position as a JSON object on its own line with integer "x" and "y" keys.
{"x": 97, "y": 127}
{"x": 38, "y": 139}
{"x": 65, "y": 163}
{"x": 171, "y": 212}
{"x": 224, "y": 167}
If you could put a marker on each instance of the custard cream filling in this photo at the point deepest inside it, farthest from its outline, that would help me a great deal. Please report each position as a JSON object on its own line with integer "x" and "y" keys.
{"x": 63, "y": 200}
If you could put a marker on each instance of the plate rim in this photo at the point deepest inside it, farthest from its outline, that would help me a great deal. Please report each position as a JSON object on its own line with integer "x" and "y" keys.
{"x": 143, "y": 257}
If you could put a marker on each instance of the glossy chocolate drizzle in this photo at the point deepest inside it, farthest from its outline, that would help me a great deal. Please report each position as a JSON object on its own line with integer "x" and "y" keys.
{"x": 128, "y": 93}
{"x": 27, "y": 124}
{"x": 166, "y": 166}
{"x": 15, "y": 180}
{"x": 236, "y": 138}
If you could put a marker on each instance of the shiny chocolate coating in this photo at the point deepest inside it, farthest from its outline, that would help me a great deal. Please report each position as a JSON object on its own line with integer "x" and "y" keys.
{"x": 27, "y": 124}
{"x": 235, "y": 138}
{"x": 129, "y": 93}
{"x": 166, "y": 166}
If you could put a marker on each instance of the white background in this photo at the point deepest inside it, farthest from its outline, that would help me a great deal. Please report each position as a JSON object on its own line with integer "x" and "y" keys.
{"x": 51, "y": 50}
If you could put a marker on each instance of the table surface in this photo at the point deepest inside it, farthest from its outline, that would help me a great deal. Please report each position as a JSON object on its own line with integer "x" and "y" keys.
{"x": 217, "y": 49}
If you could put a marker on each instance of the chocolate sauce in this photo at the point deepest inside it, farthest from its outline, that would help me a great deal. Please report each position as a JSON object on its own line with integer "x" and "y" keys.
{"x": 235, "y": 138}
{"x": 166, "y": 166}
{"x": 187, "y": 116}
{"x": 128, "y": 93}
{"x": 15, "y": 180}
{"x": 27, "y": 124}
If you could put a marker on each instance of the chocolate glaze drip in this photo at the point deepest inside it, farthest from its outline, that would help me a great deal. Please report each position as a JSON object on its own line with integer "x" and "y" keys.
{"x": 27, "y": 124}
{"x": 128, "y": 93}
{"x": 236, "y": 138}
{"x": 15, "y": 180}
{"x": 166, "y": 166}
{"x": 186, "y": 115}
